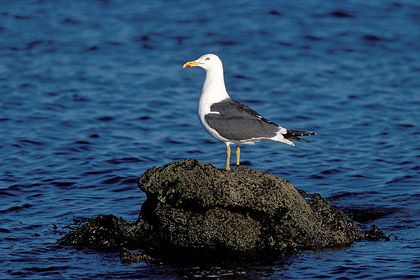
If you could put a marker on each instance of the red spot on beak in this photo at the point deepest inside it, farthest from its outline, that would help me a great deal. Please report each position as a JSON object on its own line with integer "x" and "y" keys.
{"x": 187, "y": 66}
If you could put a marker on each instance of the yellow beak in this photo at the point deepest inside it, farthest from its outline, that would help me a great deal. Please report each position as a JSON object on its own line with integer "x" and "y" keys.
{"x": 191, "y": 64}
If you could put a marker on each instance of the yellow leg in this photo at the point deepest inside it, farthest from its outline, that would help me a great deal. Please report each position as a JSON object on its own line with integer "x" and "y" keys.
{"x": 228, "y": 158}
{"x": 238, "y": 155}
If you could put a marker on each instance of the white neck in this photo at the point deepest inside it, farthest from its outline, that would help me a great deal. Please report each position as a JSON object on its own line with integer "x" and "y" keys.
{"x": 214, "y": 89}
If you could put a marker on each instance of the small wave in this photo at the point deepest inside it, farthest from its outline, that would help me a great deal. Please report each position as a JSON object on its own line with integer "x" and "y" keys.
{"x": 105, "y": 118}
{"x": 366, "y": 213}
{"x": 16, "y": 208}
{"x": 330, "y": 171}
{"x": 124, "y": 160}
{"x": 399, "y": 179}
{"x": 63, "y": 184}
{"x": 341, "y": 14}
{"x": 113, "y": 180}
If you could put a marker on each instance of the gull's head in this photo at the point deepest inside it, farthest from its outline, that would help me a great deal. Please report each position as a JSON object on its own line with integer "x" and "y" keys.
{"x": 207, "y": 62}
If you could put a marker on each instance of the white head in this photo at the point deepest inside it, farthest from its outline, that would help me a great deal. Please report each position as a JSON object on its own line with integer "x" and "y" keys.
{"x": 214, "y": 89}
{"x": 207, "y": 62}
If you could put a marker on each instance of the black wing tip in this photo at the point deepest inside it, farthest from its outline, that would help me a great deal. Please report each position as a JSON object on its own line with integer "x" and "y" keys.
{"x": 299, "y": 139}
{"x": 294, "y": 135}
{"x": 292, "y": 132}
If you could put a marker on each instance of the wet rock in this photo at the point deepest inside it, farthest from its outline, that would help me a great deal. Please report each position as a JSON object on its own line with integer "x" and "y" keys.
{"x": 375, "y": 234}
{"x": 128, "y": 256}
{"x": 193, "y": 206}
{"x": 104, "y": 233}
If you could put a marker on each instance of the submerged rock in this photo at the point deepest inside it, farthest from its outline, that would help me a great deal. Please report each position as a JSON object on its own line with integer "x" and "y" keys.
{"x": 105, "y": 233}
{"x": 194, "y": 206}
{"x": 128, "y": 256}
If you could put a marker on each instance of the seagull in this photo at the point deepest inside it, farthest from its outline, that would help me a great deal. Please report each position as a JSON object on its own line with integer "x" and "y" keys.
{"x": 231, "y": 121}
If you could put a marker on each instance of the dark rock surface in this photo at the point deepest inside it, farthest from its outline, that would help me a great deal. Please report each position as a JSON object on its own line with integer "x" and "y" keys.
{"x": 128, "y": 256}
{"x": 194, "y": 206}
{"x": 104, "y": 233}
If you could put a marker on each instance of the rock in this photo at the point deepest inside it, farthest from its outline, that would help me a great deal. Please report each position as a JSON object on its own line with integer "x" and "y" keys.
{"x": 193, "y": 206}
{"x": 128, "y": 256}
{"x": 104, "y": 233}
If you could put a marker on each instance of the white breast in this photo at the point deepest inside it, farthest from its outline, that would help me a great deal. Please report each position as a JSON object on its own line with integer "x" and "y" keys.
{"x": 204, "y": 109}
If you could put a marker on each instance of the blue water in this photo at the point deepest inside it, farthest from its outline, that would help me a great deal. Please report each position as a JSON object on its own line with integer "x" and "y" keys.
{"x": 93, "y": 93}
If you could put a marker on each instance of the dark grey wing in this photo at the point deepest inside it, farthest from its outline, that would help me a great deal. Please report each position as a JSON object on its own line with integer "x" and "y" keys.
{"x": 236, "y": 121}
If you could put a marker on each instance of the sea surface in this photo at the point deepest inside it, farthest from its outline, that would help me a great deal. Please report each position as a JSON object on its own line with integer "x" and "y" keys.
{"x": 92, "y": 94}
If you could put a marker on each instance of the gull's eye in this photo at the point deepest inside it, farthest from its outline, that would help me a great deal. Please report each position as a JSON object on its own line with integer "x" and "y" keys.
{"x": 207, "y": 58}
